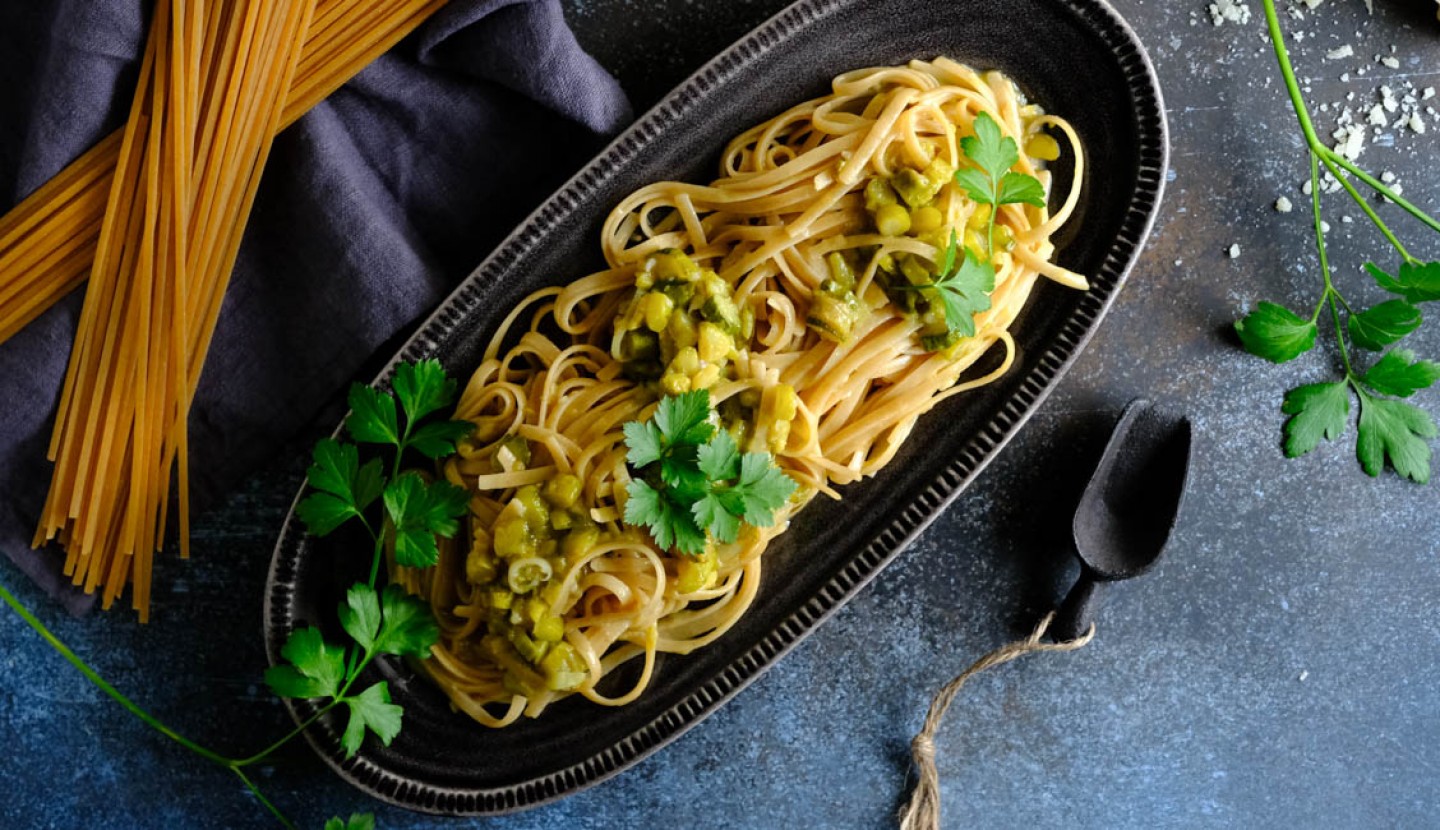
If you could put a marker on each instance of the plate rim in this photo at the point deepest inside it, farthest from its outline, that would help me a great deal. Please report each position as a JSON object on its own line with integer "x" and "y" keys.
{"x": 972, "y": 457}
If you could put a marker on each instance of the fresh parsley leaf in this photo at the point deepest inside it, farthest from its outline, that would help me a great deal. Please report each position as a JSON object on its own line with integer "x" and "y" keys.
{"x": 1398, "y": 373}
{"x": 670, "y": 524}
{"x": 1378, "y": 327}
{"x": 964, "y": 292}
{"x": 991, "y": 182}
{"x": 372, "y": 710}
{"x": 1021, "y": 188}
{"x": 1417, "y": 282}
{"x": 684, "y": 419}
{"x": 707, "y": 487}
{"x": 760, "y": 490}
{"x": 315, "y": 668}
{"x": 422, "y": 388}
{"x": 407, "y": 626}
{"x": 1394, "y": 431}
{"x": 681, "y": 473}
{"x": 372, "y": 417}
{"x": 1318, "y": 410}
{"x": 1275, "y": 333}
{"x": 390, "y": 623}
{"x": 989, "y": 148}
{"x": 419, "y": 512}
{"x": 437, "y": 440}
{"x": 645, "y": 442}
{"x": 719, "y": 458}
{"x": 722, "y": 520}
{"x": 360, "y": 615}
{"x": 357, "y": 821}
{"x": 345, "y": 487}
{"x": 977, "y": 184}
{"x": 763, "y": 488}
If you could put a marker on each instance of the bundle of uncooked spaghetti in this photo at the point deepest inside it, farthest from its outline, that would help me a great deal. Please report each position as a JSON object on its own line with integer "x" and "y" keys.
{"x": 47, "y": 242}
{"x": 154, "y": 215}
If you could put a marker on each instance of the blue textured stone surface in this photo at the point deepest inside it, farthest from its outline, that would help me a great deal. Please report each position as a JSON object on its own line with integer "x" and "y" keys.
{"x": 1276, "y": 670}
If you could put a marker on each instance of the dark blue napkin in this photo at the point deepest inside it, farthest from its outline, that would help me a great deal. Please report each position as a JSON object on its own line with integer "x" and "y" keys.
{"x": 372, "y": 208}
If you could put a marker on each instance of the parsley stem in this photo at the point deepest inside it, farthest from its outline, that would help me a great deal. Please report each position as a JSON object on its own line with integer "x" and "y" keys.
{"x": 1277, "y": 39}
{"x": 265, "y": 753}
{"x": 1380, "y": 187}
{"x": 255, "y": 791}
{"x": 375, "y": 557}
{"x": 990, "y": 228}
{"x": 1365, "y": 206}
{"x": 90, "y": 674}
{"x": 1330, "y": 294}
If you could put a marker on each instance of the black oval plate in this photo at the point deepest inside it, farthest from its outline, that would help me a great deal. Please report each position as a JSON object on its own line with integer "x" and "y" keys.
{"x": 1078, "y": 59}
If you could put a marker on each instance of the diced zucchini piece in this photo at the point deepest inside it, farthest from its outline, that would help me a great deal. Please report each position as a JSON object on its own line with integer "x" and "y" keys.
{"x": 1043, "y": 147}
{"x": 657, "y": 308}
{"x": 695, "y": 574}
{"x": 672, "y": 265}
{"x": 578, "y": 542}
{"x": 638, "y": 345}
{"x": 564, "y": 668}
{"x": 720, "y": 309}
{"x": 937, "y": 342}
{"x": 914, "y": 187}
{"x": 563, "y": 490}
{"x": 926, "y": 219}
{"x": 834, "y": 317}
{"x": 674, "y": 383}
{"x": 480, "y": 562}
{"x": 840, "y": 270}
{"x": 550, "y": 629}
{"x": 878, "y": 193}
{"x": 715, "y": 344}
{"x": 501, "y": 598}
{"x": 787, "y": 403}
{"x": 529, "y": 649}
{"x": 892, "y": 220}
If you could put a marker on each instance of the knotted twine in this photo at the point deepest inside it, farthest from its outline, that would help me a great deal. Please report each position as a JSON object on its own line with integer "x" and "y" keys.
{"x": 923, "y": 811}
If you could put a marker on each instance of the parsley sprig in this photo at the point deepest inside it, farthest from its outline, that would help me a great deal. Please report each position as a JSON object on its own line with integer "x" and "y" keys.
{"x": 991, "y": 181}
{"x": 1390, "y": 430}
{"x": 966, "y": 278}
{"x": 416, "y": 511}
{"x": 694, "y": 480}
{"x": 964, "y": 291}
{"x": 378, "y": 622}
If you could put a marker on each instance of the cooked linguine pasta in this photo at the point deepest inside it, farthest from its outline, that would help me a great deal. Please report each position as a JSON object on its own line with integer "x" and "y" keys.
{"x": 793, "y": 288}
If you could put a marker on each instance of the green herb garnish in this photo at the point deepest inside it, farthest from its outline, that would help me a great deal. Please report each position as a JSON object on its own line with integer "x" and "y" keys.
{"x": 377, "y": 622}
{"x": 963, "y": 291}
{"x": 991, "y": 181}
{"x": 1389, "y": 430}
{"x": 694, "y": 479}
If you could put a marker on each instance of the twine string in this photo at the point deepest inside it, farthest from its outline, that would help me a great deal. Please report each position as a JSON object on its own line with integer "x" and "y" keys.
{"x": 923, "y": 811}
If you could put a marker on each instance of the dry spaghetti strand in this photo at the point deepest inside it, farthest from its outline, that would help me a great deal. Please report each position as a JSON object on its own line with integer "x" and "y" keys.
{"x": 213, "y": 88}
{"x": 48, "y": 241}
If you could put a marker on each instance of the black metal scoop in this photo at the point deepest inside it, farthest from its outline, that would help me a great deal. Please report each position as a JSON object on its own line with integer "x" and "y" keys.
{"x": 1128, "y": 509}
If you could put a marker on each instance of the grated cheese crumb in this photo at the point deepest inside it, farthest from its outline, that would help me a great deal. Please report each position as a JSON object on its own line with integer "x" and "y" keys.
{"x": 1343, "y": 52}
{"x": 1234, "y": 251}
{"x": 1283, "y": 205}
{"x": 1231, "y": 10}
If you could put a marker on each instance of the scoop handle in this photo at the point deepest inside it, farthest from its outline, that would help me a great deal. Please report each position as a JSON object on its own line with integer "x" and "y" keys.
{"x": 1079, "y": 609}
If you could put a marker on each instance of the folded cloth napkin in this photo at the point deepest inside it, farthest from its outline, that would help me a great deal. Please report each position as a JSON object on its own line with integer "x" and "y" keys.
{"x": 371, "y": 209}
